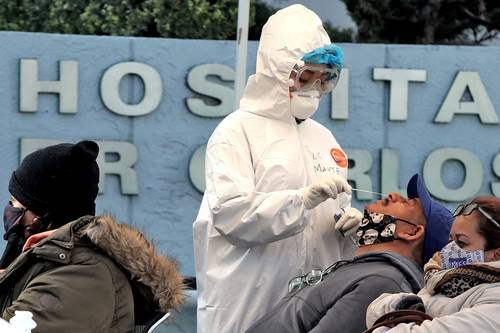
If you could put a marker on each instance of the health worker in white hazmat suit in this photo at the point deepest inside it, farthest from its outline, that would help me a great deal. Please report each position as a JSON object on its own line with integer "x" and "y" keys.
{"x": 275, "y": 180}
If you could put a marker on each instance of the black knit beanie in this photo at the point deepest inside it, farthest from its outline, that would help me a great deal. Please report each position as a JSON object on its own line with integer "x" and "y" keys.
{"x": 58, "y": 183}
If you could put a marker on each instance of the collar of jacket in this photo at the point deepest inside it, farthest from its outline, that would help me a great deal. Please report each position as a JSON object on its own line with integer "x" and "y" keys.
{"x": 408, "y": 267}
{"x": 56, "y": 248}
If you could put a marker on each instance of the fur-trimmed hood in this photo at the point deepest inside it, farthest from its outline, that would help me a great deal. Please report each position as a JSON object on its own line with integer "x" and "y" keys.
{"x": 137, "y": 256}
{"x": 108, "y": 270}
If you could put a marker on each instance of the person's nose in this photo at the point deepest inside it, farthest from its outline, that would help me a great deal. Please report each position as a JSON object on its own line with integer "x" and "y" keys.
{"x": 395, "y": 197}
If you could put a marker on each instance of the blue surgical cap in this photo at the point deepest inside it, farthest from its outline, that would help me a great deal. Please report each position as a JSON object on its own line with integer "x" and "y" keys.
{"x": 330, "y": 55}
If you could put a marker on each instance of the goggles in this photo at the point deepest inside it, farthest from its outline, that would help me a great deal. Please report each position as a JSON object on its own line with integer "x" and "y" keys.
{"x": 312, "y": 78}
{"x": 313, "y": 277}
{"x": 469, "y": 207}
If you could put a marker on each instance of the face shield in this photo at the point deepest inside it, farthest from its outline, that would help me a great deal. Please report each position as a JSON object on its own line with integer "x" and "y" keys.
{"x": 308, "y": 79}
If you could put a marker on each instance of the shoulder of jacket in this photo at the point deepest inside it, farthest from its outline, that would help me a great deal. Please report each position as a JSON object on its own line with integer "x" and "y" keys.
{"x": 231, "y": 125}
{"x": 238, "y": 126}
{"x": 235, "y": 117}
{"x": 381, "y": 270}
{"x": 317, "y": 127}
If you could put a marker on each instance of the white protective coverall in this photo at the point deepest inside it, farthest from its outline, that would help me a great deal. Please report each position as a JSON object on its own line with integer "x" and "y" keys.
{"x": 252, "y": 233}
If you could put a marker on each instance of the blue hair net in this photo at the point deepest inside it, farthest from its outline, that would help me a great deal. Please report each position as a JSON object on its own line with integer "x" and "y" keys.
{"x": 330, "y": 55}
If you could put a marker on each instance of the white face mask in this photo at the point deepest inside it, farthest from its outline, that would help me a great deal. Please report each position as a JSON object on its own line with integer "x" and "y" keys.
{"x": 303, "y": 106}
{"x": 453, "y": 256}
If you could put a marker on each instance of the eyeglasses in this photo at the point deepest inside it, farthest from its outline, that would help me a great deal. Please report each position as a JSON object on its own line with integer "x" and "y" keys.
{"x": 309, "y": 78}
{"x": 469, "y": 207}
{"x": 313, "y": 277}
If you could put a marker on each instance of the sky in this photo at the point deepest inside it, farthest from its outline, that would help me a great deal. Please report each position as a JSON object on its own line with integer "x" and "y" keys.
{"x": 335, "y": 12}
{"x": 329, "y": 10}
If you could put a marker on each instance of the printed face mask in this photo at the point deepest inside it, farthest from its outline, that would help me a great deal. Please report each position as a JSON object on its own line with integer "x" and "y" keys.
{"x": 453, "y": 256}
{"x": 11, "y": 217}
{"x": 303, "y": 106}
{"x": 377, "y": 228}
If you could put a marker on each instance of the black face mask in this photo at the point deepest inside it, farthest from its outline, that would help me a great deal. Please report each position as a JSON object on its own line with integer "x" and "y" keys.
{"x": 378, "y": 228}
{"x": 12, "y": 218}
{"x": 15, "y": 233}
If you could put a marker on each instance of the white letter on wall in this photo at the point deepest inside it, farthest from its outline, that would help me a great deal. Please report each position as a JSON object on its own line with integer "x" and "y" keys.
{"x": 389, "y": 171}
{"x": 31, "y": 86}
{"x": 110, "y": 89}
{"x": 197, "y": 168}
{"x": 121, "y": 166}
{"x": 198, "y": 81}
{"x": 358, "y": 173}
{"x": 399, "y": 78}
{"x": 495, "y": 186}
{"x": 473, "y": 178}
{"x": 340, "y": 97}
{"x": 480, "y": 105}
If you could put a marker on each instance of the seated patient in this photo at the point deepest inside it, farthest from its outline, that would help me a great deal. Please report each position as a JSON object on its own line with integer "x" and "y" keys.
{"x": 396, "y": 236}
{"x": 74, "y": 271}
{"x": 462, "y": 281}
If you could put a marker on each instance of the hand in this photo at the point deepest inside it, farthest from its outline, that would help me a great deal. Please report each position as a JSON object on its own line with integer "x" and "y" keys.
{"x": 349, "y": 221}
{"x": 329, "y": 186}
{"x": 385, "y": 303}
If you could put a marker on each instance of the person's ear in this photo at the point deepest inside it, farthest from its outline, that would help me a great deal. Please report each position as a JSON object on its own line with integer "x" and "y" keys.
{"x": 413, "y": 234}
{"x": 492, "y": 255}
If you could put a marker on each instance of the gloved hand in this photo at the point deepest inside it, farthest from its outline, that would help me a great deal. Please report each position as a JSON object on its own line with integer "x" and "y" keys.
{"x": 385, "y": 303}
{"x": 329, "y": 186}
{"x": 349, "y": 221}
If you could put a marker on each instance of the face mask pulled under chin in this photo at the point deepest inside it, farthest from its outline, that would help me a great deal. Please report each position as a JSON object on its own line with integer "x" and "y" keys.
{"x": 376, "y": 228}
{"x": 303, "y": 106}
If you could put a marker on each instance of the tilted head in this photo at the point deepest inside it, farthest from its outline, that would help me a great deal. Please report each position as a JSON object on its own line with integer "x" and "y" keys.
{"x": 416, "y": 226}
{"x": 315, "y": 75}
{"x": 477, "y": 227}
{"x": 286, "y": 38}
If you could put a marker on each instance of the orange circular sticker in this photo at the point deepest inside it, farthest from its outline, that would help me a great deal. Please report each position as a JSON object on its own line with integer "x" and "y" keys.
{"x": 339, "y": 157}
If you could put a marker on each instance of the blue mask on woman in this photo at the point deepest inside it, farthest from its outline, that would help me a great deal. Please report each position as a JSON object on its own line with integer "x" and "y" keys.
{"x": 453, "y": 256}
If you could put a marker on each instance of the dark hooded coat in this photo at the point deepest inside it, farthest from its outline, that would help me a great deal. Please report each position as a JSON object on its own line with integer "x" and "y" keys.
{"x": 91, "y": 275}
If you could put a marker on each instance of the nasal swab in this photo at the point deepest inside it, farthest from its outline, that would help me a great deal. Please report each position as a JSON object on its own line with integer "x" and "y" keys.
{"x": 366, "y": 191}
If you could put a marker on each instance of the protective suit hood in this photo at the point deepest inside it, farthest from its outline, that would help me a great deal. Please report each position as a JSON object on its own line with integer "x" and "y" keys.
{"x": 288, "y": 35}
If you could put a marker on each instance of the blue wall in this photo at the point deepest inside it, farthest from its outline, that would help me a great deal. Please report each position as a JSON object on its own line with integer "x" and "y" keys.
{"x": 167, "y": 202}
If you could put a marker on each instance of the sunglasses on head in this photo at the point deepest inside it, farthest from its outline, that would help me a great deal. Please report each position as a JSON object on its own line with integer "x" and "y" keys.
{"x": 469, "y": 207}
